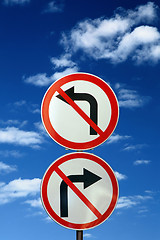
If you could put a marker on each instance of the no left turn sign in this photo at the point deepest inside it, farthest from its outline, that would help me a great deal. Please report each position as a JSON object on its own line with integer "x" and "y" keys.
{"x": 80, "y": 111}
{"x": 79, "y": 191}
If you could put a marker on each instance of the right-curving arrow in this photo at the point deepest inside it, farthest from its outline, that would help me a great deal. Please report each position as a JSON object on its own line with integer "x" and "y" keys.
{"x": 84, "y": 97}
{"x": 88, "y": 178}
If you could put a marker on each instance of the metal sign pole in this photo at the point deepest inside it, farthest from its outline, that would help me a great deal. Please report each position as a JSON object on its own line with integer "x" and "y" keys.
{"x": 79, "y": 235}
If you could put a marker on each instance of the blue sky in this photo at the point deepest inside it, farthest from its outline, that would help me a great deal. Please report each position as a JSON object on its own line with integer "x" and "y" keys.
{"x": 41, "y": 41}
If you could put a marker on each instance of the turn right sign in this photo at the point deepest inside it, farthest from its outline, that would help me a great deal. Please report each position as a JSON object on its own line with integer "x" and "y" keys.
{"x": 79, "y": 191}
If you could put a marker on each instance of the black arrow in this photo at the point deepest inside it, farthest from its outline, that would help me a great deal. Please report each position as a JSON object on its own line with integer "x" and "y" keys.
{"x": 88, "y": 178}
{"x": 84, "y": 97}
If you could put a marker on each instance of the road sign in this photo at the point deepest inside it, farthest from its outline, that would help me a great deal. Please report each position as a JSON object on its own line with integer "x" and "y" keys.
{"x": 79, "y": 191}
{"x": 80, "y": 111}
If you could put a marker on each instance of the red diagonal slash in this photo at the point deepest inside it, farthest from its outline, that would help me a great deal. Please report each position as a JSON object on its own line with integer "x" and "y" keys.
{"x": 78, "y": 193}
{"x": 80, "y": 111}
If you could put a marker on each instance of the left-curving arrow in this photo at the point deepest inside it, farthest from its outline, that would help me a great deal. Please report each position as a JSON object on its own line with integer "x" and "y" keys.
{"x": 88, "y": 178}
{"x": 84, "y": 97}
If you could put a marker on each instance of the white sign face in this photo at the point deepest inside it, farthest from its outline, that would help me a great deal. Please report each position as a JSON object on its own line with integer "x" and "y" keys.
{"x": 80, "y": 111}
{"x": 79, "y": 131}
{"x": 79, "y": 191}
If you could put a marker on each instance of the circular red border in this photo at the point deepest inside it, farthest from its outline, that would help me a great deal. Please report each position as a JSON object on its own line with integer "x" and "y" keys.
{"x": 48, "y": 174}
{"x": 85, "y": 77}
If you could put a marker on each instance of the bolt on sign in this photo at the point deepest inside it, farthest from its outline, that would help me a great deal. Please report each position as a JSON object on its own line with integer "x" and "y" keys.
{"x": 80, "y": 111}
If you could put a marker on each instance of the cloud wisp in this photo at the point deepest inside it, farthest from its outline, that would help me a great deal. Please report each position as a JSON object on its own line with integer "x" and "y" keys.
{"x": 131, "y": 201}
{"x": 5, "y": 168}
{"x": 54, "y": 7}
{"x": 141, "y": 162}
{"x": 134, "y": 147}
{"x": 88, "y": 235}
{"x": 10, "y": 153}
{"x": 128, "y": 98}
{"x": 115, "y": 138}
{"x": 63, "y": 66}
{"x": 15, "y": 2}
{"x": 35, "y": 203}
{"x": 19, "y": 105}
{"x": 120, "y": 176}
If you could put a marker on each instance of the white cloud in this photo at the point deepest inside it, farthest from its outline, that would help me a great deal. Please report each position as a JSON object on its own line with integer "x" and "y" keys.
{"x": 39, "y": 79}
{"x": 131, "y": 201}
{"x": 142, "y": 162}
{"x": 13, "y": 135}
{"x": 48, "y": 219}
{"x": 120, "y": 176}
{"x": 146, "y": 13}
{"x": 149, "y": 192}
{"x": 114, "y": 138}
{"x": 67, "y": 71}
{"x": 87, "y": 235}
{"x": 143, "y": 211}
{"x": 12, "y": 122}
{"x": 31, "y": 107}
{"x": 42, "y": 80}
{"x": 5, "y": 168}
{"x": 41, "y": 128}
{"x": 53, "y": 7}
{"x": 126, "y": 202}
{"x": 19, "y": 188}
{"x": 63, "y": 66}
{"x": 121, "y": 37}
{"x": 35, "y": 203}
{"x": 16, "y": 2}
{"x": 9, "y": 122}
{"x": 34, "y": 108}
{"x": 134, "y": 147}
{"x": 137, "y": 44}
{"x": 10, "y": 153}
{"x": 20, "y": 103}
{"x": 93, "y": 34}
{"x": 151, "y": 53}
{"x": 35, "y": 111}
{"x": 63, "y": 61}
{"x": 128, "y": 98}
